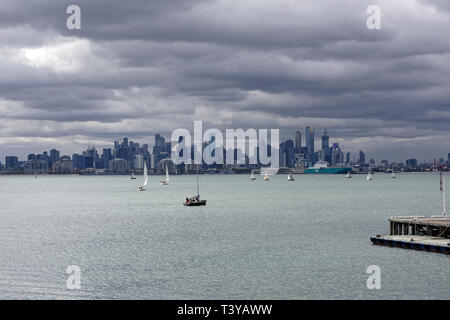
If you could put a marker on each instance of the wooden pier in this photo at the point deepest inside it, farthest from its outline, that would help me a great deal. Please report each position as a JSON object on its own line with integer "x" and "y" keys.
{"x": 419, "y": 233}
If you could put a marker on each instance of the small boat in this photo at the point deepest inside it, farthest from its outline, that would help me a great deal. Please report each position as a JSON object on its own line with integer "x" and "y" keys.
{"x": 369, "y": 176}
{"x": 166, "y": 181}
{"x": 290, "y": 177}
{"x": 142, "y": 188}
{"x": 349, "y": 175}
{"x": 133, "y": 176}
{"x": 252, "y": 176}
{"x": 195, "y": 201}
{"x": 393, "y": 176}
{"x": 266, "y": 177}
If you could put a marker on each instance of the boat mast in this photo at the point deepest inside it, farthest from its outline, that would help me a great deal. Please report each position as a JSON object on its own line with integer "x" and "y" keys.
{"x": 198, "y": 193}
{"x": 444, "y": 189}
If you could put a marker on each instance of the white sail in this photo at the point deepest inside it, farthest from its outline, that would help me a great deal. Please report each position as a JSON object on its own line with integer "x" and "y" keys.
{"x": 145, "y": 175}
{"x": 167, "y": 174}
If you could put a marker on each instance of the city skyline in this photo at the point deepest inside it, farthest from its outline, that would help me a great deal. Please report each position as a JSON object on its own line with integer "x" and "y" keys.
{"x": 127, "y": 155}
{"x": 290, "y": 66}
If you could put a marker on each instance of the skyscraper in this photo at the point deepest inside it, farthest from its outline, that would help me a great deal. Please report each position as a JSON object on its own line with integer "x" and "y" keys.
{"x": 298, "y": 142}
{"x": 362, "y": 157}
{"x": 290, "y": 153}
{"x": 106, "y": 157}
{"x": 54, "y": 156}
{"x": 325, "y": 140}
{"x": 310, "y": 143}
{"x": 326, "y": 150}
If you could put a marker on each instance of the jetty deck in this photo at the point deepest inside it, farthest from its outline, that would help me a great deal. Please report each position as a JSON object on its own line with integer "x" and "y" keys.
{"x": 431, "y": 226}
{"x": 419, "y": 233}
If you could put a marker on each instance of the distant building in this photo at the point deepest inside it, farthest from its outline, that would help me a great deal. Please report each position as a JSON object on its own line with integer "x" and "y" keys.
{"x": 362, "y": 157}
{"x": 411, "y": 163}
{"x": 325, "y": 154}
{"x": 119, "y": 166}
{"x": 347, "y": 158}
{"x": 54, "y": 156}
{"x": 64, "y": 166}
{"x": 79, "y": 162}
{"x": 337, "y": 156}
{"x": 11, "y": 162}
{"x": 106, "y": 157}
{"x": 35, "y": 166}
{"x": 310, "y": 143}
{"x": 298, "y": 142}
{"x": 139, "y": 161}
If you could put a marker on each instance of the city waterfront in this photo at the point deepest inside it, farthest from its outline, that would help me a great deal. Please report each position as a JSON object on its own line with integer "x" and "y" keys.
{"x": 306, "y": 239}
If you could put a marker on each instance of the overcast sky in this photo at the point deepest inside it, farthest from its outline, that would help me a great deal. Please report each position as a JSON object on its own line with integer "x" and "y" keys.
{"x": 141, "y": 67}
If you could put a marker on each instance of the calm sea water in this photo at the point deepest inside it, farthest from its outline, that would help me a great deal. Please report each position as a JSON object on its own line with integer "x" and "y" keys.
{"x": 307, "y": 239}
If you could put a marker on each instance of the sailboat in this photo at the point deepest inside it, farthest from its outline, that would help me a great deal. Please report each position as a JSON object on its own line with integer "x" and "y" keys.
{"x": 252, "y": 176}
{"x": 290, "y": 177}
{"x": 393, "y": 176}
{"x": 266, "y": 176}
{"x": 133, "y": 176}
{"x": 166, "y": 181}
{"x": 195, "y": 200}
{"x": 142, "y": 188}
{"x": 369, "y": 176}
{"x": 349, "y": 175}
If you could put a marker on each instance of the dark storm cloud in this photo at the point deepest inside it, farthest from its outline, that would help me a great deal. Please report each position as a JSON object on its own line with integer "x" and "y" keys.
{"x": 139, "y": 67}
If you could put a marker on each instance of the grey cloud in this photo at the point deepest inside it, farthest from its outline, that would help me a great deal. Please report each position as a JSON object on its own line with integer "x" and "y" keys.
{"x": 142, "y": 67}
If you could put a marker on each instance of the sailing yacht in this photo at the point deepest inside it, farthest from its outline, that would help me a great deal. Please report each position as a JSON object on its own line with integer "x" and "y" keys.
{"x": 166, "y": 181}
{"x": 142, "y": 188}
{"x": 133, "y": 176}
{"x": 290, "y": 177}
{"x": 266, "y": 176}
{"x": 369, "y": 176}
{"x": 349, "y": 175}
{"x": 195, "y": 200}
{"x": 393, "y": 176}
{"x": 252, "y": 176}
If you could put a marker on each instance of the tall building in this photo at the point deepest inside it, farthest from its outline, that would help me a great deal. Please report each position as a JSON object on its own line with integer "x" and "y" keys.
{"x": 347, "y": 157}
{"x": 326, "y": 150}
{"x": 325, "y": 140}
{"x": 106, "y": 157}
{"x": 298, "y": 142}
{"x": 310, "y": 143}
{"x": 289, "y": 150}
{"x": 362, "y": 157}
{"x": 79, "y": 162}
{"x": 54, "y": 156}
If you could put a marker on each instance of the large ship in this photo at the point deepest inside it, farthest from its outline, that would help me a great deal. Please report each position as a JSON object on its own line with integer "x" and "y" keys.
{"x": 322, "y": 167}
